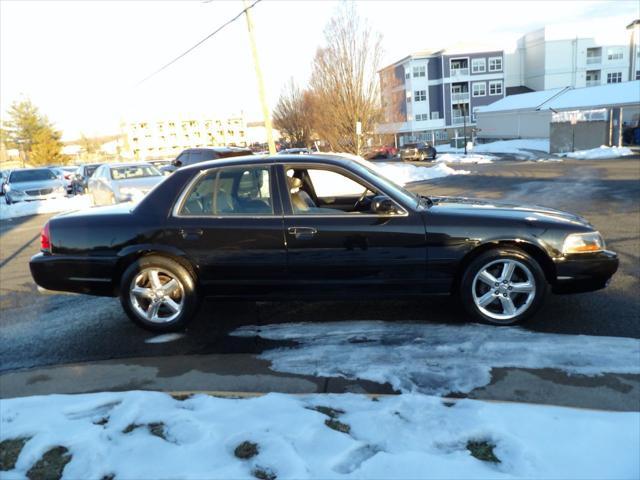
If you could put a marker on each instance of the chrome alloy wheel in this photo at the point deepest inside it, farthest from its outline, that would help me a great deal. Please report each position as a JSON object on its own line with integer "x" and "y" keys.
{"x": 503, "y": 289}
{"x": 156, "y": 295}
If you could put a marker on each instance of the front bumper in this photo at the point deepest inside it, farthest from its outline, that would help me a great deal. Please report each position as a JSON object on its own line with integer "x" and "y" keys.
{"x": 579, "y": 273}
{"x": 77, "y": 274}
{"x": 36, "y": 198}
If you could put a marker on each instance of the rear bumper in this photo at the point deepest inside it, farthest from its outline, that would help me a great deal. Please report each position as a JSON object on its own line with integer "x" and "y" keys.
{"x": 63, "y": 273}
{"x": 584, "y": 272}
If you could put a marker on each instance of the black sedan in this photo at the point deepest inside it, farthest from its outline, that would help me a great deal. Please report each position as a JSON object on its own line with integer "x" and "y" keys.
{"x": 321, "y": 226}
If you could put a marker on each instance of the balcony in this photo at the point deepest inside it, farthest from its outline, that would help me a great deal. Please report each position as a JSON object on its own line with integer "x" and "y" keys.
{"x": 460, "y": 97}
{"x": 459, "y": 72}
{"x": 594, "y": 60}
{"x": 459, "y": 120}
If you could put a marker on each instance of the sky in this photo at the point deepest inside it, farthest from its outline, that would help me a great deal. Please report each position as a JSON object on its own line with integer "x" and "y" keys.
{"x": 81, "y": 62}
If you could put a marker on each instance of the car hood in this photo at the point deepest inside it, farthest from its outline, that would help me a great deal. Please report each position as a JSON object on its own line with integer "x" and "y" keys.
{"x": 506, "y": 210}
{"x": 37, "y": 185}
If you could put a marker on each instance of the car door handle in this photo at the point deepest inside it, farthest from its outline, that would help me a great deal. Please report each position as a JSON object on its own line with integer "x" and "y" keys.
{"x": 302, "y": 232}
{"x": 191, "y": 233}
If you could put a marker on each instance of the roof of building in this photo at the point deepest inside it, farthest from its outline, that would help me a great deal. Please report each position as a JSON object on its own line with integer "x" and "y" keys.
{"x": 524, "y": 101}
{"x": 635, "y": 22}
{"x": 610, "y": 94}
{"x": 624, "y": 93}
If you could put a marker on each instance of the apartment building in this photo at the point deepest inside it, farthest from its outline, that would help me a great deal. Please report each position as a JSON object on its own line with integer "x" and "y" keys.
{"x": 431, "y": 96}
{"x": 633, "y": 30}
{"x": 558, "y": 56}
{"x": 166, "y": 138}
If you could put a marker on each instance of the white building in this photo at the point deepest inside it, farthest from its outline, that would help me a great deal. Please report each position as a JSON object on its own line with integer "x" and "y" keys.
{"x": 633, "y": 30}
{"x": 562, "y": 55}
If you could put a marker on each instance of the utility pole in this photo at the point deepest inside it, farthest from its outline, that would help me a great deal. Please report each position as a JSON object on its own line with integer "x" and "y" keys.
{"x": 464, "y": 123}
{"x": 261, "y": 92}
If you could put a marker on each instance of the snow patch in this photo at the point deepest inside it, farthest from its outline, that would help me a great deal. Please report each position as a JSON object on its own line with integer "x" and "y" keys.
{"x": 519, "y": 147}
{"x": 403, "y": 173}
{"x": 462, "y": 158}
{"x": 55, "y": 205}
{"x": 599, "y": 153}
{"x": 404, "y": 436}
{"x": 434, "y": 358}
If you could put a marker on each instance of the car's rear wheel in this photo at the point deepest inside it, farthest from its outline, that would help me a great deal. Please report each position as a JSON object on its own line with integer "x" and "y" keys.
{"x": 503, "y": 286}
{"x": 159, "y": 294}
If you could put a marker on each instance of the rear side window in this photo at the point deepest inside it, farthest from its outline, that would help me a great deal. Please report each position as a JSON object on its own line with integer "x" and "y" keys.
{"x": 230, "y": 191}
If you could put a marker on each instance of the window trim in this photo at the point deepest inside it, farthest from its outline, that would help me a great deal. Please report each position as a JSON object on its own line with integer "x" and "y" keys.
{"x": 495, "y": 82}
{"x": 288, "y": 212}
{"x": 473, "y": 89}
{"x": 495, "y": 69}
{"x": 273, "y": 184}
{"x": 477, "y": 60}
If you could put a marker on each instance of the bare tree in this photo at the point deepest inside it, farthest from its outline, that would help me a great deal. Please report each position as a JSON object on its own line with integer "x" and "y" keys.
{"x": 344, "y": 81}
{"x": 292, "y": 115}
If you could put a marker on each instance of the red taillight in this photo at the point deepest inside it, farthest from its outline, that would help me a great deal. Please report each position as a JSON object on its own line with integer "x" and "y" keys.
{"x": 45, "y": 241}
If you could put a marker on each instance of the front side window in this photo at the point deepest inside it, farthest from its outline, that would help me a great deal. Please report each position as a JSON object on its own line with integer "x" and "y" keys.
{"x": 479, "y": 89}
{"x": 229, "y": 192}
{"x": 495, "y": 64}
{"x": 320, "y": 191}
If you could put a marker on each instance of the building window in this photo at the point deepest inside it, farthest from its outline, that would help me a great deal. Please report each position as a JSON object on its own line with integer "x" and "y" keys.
{"x": 435, "y": 115}
{"x": 441, "y": 135}
{"x": 421, "y": 117}
{"x": 419, "y": 71}
{"x": 495, "y": 64}
{"x": 614, "y": 77}
{"x": 420, "y": 95}
{"x": 407, "y": 75}
{"x": 478, "y": 65}
{"x": 495, "y": 87}
{"x": 615, "y": 53}
{"x": 637, "y": 74}
{"x": 474, "y": 113}
{"x": 479, "y": 89}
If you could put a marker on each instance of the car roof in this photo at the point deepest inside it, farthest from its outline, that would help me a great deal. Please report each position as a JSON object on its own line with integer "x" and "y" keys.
{"x": 128, "y": 164}
{"x": 322, "y": 158}
{"x": 217, "y": 149}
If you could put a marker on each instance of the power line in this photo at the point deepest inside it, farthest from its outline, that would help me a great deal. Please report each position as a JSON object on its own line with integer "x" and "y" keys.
{"x": 198, "y": 44}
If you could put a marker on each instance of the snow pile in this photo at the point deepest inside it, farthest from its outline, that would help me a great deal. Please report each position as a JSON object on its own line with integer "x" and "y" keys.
{"x": 63, "y": 204}
{"x": 519, "y": 148}
{"x": 462, "y": 158}
{"x": 434, "y": 358}
{"x": 151, "y": 435}
{"x": 403, "y": 173}
{"x": 599, "y": 153}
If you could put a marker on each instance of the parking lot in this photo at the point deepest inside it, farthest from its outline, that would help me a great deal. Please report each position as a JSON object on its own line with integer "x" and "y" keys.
{"x": 41, "y": 330}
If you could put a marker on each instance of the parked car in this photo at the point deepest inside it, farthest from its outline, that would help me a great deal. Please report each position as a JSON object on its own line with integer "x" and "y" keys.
{"x": 122, "y": 182}
{"x": 81, "y": 179}
{"x": 66, "y": 174}
{"x": 197, "y": 155}
{"x": 380, "y": 152}
{"x": 159, "y": 163}
{"x": 418, "y": 152}
{"x": 29, "y": 184}
{"x": 317, "y": 226}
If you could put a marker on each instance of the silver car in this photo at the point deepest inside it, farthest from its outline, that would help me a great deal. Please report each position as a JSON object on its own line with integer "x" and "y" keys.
{"x": 28, "y": 184}
{"x": 122, "y": 182}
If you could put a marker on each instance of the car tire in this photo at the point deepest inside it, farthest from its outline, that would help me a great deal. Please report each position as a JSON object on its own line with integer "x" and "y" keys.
{"x": 421, "y": 157}
{"x": 165, "y": 301}
{"x": 493, "y": 295}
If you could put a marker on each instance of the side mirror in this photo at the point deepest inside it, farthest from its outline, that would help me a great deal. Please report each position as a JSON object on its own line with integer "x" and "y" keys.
{"x": 176, "y": 163}
{"x": 383, "y": 205}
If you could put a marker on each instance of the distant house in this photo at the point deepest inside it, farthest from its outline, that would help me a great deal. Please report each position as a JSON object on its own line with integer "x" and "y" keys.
{"x": 531, "y": 115}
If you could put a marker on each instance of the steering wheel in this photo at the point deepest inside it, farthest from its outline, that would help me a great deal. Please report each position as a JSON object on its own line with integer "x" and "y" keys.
{"x": 359, "y": 203}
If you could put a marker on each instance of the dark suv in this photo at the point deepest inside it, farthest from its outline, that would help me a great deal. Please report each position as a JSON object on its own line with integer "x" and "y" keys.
{"x": 197, "y": 155}
{"x": 418, "y": 151}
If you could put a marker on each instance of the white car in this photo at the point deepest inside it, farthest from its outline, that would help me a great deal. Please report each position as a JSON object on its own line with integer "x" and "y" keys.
{"x": 29, "y": 184}
{"x": 122, "y": 182}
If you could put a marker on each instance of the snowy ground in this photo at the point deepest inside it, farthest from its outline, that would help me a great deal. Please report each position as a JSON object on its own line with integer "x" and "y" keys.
{"x": 403, "y": 173}
{"x": 437, "y": 359}
{"x": 602, "y": 152}
{"x": 462, "y": 158}
{"x": 518, "y": 148}
{"x": 139, "y": 435}
{"x": 64, "y": 204}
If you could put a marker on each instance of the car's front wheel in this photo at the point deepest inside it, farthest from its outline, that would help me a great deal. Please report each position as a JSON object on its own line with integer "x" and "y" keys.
{"x": 503, "y": 286}
{"x": 159, "y": 294}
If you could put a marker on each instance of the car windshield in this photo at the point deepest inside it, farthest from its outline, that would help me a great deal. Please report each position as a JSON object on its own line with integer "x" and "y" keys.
{"x": 134, "y": 171}
{"x": 36, "y": 175}
{"x": 389, "y": 184}
{"x": 89, "y": 170}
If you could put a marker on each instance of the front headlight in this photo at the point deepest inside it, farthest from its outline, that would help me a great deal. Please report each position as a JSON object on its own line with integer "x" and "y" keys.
{"x": 583, "y": 243}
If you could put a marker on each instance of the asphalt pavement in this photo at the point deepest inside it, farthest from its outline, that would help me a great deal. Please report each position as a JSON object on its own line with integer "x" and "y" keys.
{"x": 44, "y": 330}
